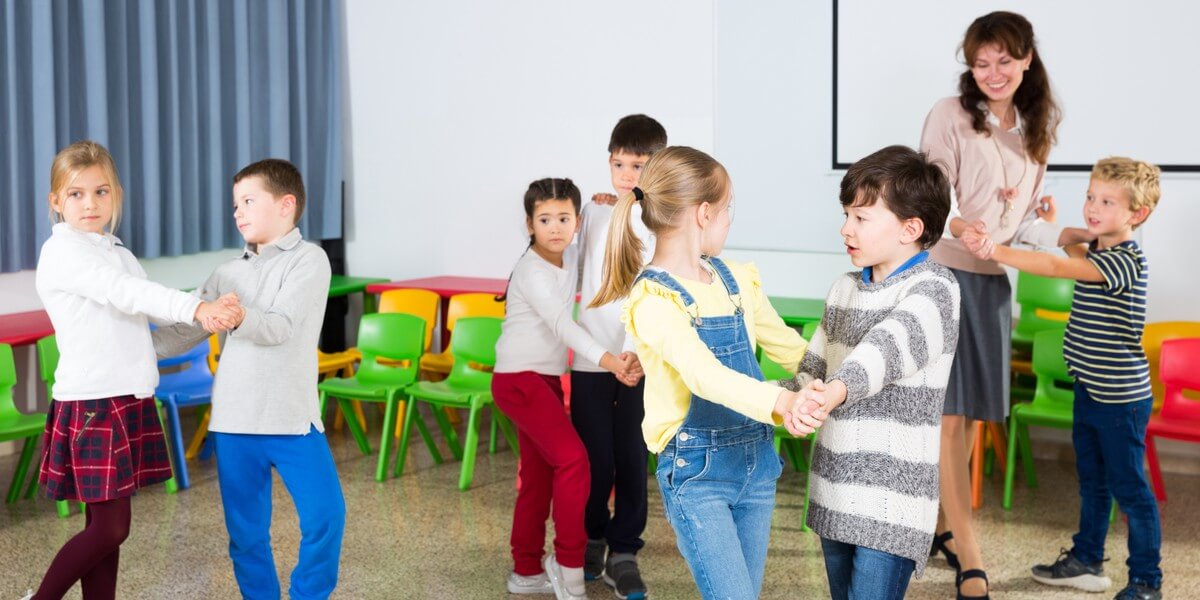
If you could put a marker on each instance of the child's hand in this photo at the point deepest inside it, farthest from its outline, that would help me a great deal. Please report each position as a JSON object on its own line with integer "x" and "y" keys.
{"x": 1046, "y": 210}
{"x": 633, "y": 369}
{"x": 977, "y": 241}
{"x": 232, "y": 301}
{"x": 217, "y": 316}
{"x": 608, "y": 199}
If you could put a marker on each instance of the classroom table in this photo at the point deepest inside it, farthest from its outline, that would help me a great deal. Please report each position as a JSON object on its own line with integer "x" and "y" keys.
{"x": 19, "y": 329}
{"x": 444, "y": 285}
{"x": 797, "y": 312}
{"x": 344, "y": 285}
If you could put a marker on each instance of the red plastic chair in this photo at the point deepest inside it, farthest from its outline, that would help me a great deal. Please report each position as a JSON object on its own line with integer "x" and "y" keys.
{"x": 1180, "y": 416}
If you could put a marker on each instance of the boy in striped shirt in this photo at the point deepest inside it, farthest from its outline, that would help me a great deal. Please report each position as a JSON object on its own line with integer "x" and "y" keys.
{"x": 1103, "y": 349}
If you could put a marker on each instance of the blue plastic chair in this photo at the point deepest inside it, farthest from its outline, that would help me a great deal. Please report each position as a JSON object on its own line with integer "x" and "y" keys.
{"x": 190, "y": 386}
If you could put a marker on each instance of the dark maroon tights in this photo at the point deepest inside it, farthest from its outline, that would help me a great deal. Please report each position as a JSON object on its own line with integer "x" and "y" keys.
{"x": 91, "y": 556}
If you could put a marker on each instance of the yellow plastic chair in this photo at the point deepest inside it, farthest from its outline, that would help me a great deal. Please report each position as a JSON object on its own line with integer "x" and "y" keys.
{"x": 1152, "y": 339}
{"x": 461, "y": 305}
{"x": 341, "y": 364}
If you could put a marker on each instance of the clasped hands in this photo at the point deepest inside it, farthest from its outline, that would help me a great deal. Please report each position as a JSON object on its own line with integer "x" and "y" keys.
{"x": 977, "y": 241}
{"x": 806, "y": 410}
{"x": 222, "y": 314}
{"x": 625, "y": 366}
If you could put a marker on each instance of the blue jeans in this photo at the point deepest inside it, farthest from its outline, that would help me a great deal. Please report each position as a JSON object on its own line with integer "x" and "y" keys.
{"x": 304, "y": 463}
{"x": 719, "y": 500}
{"x": 857, "y": 572}
{"x": 1110, "y": 449}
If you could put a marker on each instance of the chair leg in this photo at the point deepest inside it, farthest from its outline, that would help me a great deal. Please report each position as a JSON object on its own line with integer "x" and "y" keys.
{"x": 171, "y": 485}
{"x": 385, "y": 438}
{"x": 400, "y": 417}
{"x": 1156, "y": 478}
{"x": 977, "y": 466}
{"x": 999, "y": 447}
{"x": 362, "y": 419}
{"x": 506, "y": 428}
{"x": 355, "y": 429}
{"x": 193, "y": 447}
{"x": 14, "y": 488}
{"x": 447, "y": 431}
{"x": 492, "y": 438}
{"x": 471, "y": 447}
{"x": 1011, "y": 464}
{"x": 452, "y": 414}
{"x": 64, "y": 508}
{"x": 1027, "y": 456}
{"x": 405, "y": 435}
{"x": 175, "y": 445}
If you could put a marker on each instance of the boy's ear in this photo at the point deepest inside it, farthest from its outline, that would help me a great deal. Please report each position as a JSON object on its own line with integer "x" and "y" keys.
{"x": 1139, "y": 215}
{"x": 288, "y": 203}
{"x": 912, "y": 230}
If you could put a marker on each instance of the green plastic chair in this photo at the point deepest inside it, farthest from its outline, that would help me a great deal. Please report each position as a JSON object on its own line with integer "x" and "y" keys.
{"x": 399, "y": 340}
{"x": 468, "y": 386}
{"x": 15, "y": 425}
{"x": 1036, "y": 293}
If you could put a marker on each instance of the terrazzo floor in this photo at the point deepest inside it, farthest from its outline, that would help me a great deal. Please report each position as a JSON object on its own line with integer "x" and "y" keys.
{"x": 419, "y": 537}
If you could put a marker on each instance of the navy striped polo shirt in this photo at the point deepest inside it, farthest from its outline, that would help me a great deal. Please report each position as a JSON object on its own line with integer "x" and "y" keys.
{"x": 1103, "y": 343}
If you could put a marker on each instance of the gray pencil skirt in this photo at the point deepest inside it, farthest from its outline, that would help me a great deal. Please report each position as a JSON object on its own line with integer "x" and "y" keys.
{"x": 979, "y": 378}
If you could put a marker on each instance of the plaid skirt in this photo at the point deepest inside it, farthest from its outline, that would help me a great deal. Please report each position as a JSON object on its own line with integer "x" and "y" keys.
{"x": 103, "y": 449}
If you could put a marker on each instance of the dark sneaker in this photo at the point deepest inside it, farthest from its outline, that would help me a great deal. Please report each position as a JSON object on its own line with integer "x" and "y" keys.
{"x": 621, "y": 573}
{"x": 1137, "y": 590}
{"x": 593, "y": 559}
{"x": 1069, "y": 571}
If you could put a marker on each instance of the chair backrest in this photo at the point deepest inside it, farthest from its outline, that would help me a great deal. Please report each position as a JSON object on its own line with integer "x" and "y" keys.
{"x": 1179, "y": 368}
{"x": 1037, "y": 295}
{"x": 421, "y": 303}
{"x": 1152, "y": 340}
{"x": 474, "y": 351}
{"x": 192, "y": 371}
{"x": 1049, "y": 367}
{"x": 473, "y": 305}
{"x": 47, "y": 354}
{"x": 391, "y": 345}
{"x": 8, "y": 380}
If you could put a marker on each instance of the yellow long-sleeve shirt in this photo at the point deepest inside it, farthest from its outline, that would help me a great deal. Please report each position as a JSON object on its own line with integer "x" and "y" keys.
{"x": 677, "y": 362}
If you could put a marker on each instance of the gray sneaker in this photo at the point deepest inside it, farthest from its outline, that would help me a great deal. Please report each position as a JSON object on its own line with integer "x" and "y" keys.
{"x": 1069, "y": 571}
{"x": 1137, "y": 590}
{"x": 593, "y": 559}
{"x": 622, "y": 575}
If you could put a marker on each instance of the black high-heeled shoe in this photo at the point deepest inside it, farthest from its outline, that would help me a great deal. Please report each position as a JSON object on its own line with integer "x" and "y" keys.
{"x": 939, "y": 545}
{"x": 972, "y": 574}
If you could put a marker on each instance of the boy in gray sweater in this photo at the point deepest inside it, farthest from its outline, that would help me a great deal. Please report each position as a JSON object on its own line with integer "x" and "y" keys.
{"x": 265, "y": 408}
{"x": 876, "y": 374}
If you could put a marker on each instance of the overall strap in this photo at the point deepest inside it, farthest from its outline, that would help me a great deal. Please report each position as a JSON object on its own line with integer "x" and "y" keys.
{"x": 727, "y": 279}
{"x": 664, "y": 279}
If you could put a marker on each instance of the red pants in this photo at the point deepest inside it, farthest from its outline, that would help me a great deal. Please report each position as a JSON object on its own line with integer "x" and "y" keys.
{"x": 553, "y": 465}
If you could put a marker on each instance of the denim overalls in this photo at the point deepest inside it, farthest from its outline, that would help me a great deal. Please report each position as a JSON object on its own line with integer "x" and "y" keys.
{"x": 717, "y": 475}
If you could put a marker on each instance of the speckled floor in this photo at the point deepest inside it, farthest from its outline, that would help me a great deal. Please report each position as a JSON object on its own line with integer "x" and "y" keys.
{"x": 419, "y": 537}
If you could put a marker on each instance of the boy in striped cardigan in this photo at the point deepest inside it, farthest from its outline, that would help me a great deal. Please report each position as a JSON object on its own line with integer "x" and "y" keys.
{"x": 875, "y": 376}
{"x": 1103, "y": 350}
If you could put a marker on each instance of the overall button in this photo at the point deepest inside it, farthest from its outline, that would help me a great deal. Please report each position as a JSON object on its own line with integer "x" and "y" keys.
{"x": 683, "y": 437}
{"x": 679, "y": 462}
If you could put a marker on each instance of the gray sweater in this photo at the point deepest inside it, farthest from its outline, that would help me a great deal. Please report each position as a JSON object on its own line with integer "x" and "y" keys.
{"x": 874, "y": 479}
{"x": 267, "y": 380}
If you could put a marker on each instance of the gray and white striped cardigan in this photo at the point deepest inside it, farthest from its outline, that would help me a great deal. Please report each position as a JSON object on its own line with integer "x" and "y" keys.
{"x": 875, "y": 473}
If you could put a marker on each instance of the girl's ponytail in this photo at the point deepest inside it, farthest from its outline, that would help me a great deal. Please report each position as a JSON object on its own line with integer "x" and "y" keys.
{"x": 622, "y": 254}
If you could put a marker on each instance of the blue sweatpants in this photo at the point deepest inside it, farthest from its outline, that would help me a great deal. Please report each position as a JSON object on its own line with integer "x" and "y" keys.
{"x": 304, "y": 463}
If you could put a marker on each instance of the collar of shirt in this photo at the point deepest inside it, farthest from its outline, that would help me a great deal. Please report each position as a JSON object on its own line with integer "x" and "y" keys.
{"x": 917, "y": 259}
{"x": 289, "y": 241}
{"x": 994, "y": 120}
{"x": 104, "y": 240}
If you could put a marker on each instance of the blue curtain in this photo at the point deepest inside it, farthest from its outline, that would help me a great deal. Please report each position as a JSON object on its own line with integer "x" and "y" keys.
{"x": 183, "y": 93}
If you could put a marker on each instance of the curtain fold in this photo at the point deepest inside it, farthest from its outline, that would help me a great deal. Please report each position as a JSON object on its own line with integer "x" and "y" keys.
{"x": 183, "y": 93}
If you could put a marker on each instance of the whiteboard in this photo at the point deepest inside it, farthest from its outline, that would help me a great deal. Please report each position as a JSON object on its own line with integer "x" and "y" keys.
{"x": 1124, "y": 74}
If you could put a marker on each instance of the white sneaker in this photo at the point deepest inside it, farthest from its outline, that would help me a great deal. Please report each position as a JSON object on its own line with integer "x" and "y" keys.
{"x": 28, "y": 595}
{"x": 534, "y": 584}
{"x": 567, "y": 583}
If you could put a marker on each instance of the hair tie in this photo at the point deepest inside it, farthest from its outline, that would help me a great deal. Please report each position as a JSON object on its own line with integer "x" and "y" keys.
{"x": 637, "y": 194}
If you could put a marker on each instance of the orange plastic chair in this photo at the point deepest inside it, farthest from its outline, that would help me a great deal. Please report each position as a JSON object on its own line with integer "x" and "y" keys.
{"x": 461, "y": 305}
{"x": 985, "y": 433}
{"x": 1152, "y": 340}
{"x": 1180, "y": 416}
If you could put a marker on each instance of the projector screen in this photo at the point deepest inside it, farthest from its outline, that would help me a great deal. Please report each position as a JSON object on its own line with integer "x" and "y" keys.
{"x": 1124, "y": 74}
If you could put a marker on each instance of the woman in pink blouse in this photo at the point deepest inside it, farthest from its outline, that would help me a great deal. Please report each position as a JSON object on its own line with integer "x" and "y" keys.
{"x": 993, "y": 138}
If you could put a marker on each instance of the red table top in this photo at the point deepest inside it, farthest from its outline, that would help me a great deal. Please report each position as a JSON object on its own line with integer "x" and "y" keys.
{"x": 18, "y": 329}
{"x": 444, "y": 285}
